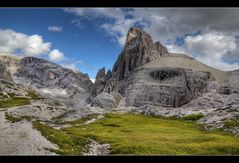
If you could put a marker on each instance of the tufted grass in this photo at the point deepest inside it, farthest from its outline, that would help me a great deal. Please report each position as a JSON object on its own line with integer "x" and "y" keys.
{"x": 231, "y": 123}
{"x": 15, "y": 101}
{"x": 143, "y": 135}
{"x": 193, "y": 117}
{"x": 68, "y": 144}
{"x": 18, "y": 101}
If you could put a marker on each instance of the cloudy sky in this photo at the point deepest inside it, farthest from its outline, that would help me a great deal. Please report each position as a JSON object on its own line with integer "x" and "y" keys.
{"x": 87, "y": 39}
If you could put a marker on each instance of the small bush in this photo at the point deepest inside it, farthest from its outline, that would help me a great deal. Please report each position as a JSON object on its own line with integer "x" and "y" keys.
{"x": 231, "y": 123}
{"x": 193, "y": 117}
{"x": 34, "y": 95}
{"x": 12, "y": 118}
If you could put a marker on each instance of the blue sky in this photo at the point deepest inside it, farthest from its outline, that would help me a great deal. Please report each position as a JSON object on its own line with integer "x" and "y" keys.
{"x": 87, "y": 44}
{"x": 87, "y": 39}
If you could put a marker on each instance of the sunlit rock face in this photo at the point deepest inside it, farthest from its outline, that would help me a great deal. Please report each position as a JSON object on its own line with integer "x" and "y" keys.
{"x": 42, "y": 73}
{"x": 167, "y": 87}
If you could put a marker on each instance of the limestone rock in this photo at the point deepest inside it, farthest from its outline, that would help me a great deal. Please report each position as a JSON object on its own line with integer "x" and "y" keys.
{"x": 40, "y": 74}
{"x": 4, "y": 74}
{"x": 139, "y": 49}
{"x": 167, "y": 87}
{"x": 100, "y": 82}
{"x": 106, "y": 100}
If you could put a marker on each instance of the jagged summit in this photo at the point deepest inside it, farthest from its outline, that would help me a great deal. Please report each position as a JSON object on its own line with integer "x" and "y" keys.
{"x": 139, "y": 49}
{"x": 135, "y": 34}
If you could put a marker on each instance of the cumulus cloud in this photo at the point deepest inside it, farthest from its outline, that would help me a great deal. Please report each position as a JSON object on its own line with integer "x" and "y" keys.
{"x": 55, "y": 29}
{"x": 218, "y": 30}
{"x": 55, "y": 55}
{"x": 210, "y": 48}
{"x": 22, "y": 44}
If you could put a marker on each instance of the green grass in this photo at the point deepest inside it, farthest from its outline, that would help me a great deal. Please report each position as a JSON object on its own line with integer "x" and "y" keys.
{"x": 34, "y": 96}
{"x": 18, "y": 101}
{"x": 193, "y": 117}
{"x": 69, "y": 144}
{"x": 81, "y": 120}
{"x": 12, "y": 118}
{"x": 15, "y": 101}
{"x": 231, "y": 124}
{"x": 143, "y": 135}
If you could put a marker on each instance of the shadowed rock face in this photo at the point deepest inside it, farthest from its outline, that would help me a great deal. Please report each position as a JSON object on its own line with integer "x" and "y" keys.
{"x": 7, "y": 85}
{"x": 139, "y": 49}
{"x": 4, "y": 74}
{"x": 100, "y": 81}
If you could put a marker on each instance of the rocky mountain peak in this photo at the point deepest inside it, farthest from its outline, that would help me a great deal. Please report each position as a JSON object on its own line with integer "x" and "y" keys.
{"x": 100, "y": 74}
{"x": 139, "y": 49}
{"x": 100, "y": 82}
{"x": 135, "y": 35}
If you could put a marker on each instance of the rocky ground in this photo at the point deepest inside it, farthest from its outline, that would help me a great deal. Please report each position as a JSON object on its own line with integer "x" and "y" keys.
{"x": 21, "y": 139}
{"x": 96, "y": 149}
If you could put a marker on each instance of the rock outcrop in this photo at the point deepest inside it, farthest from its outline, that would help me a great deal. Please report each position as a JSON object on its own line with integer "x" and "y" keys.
{"x": 53, "y": 81}
{"x": 106, "y": 100}
{"x": 4, "y": 73}
{"x": 11, "y": 62}
{"x": 167, "y": 87}
{"x": 139, "y": 49}
{"x": 43, "y": 74}
{"x": 7, "y": 85}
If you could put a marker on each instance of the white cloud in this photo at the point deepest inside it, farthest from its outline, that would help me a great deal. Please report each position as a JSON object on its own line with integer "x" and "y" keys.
{"x": 213, "y": 44}
{"x": 55, "y": 29}
{"x": 74, "y": 64}
{"x": 93, "y": 80}
{"x": 209, "y": 48}
{"x": 55, "y": 55}
{"x": 71, "y": 66}
{"x": 218, "y": 27}
{"x": 22, "y": 44}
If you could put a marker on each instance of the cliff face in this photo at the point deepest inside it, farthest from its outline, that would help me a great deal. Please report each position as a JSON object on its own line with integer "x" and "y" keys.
{"x": 139, "y": 49}
{"x": 7, "y": 85}
{"x": 41, "y": 74}
{"x": 4, "y": 74}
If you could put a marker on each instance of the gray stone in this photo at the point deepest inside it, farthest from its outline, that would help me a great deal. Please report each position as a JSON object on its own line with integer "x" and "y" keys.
{"x": 106, "y": 100}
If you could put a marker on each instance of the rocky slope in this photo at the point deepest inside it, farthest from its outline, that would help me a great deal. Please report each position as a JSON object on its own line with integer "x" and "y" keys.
{"x": 54, "y": 81}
